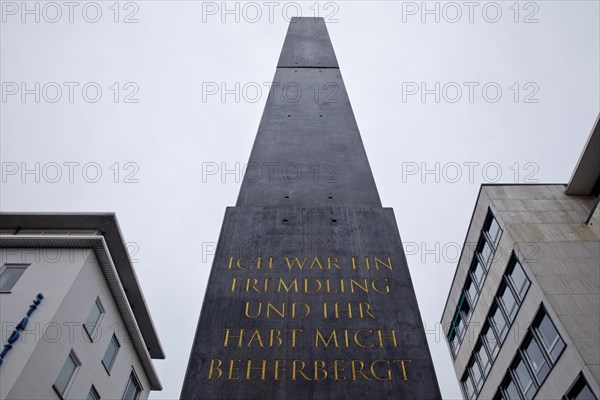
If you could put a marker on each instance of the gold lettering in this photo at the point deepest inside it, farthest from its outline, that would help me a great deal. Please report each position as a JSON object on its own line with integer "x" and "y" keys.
{"x": 300, "y": 371}
{"x": 287, "y": 288}
{"x": 388, "y": 265}
{"x": 319, "y": 365}
{"x": 334, "y": 263}
{"x": 277, "y": 367}
{"x": 255, "y": 336}
{"x": 281, "y": 312}
{"x": 403, "y": 367}
{"x": 216, "y": 367}
{"x": 368, "y": 307}
{"x": 360, "y": 371}
{"x": 239, "y": 337}
{"x": 320, "y": 336}
{"x": 306, "y": 309}
{"x": 294, "y": 331}
{"x": 233, "y": 282}
{"x": 296, "y": 261}
{"x": 381, "y": 337}
{"x": 386, "y": 287}
{"x": 316, "y": 260}
{"x": 364, "y": 288}
{"x": 358, "y": 343}
{"x": 255, "y": 281}
{"x": 262, "y": 368}
{"x": 337, "y": 369}
{"x": 389, "y": 373}
{"x": 306, "y": 280}
{"x": 233, "y": 368}
{"x": 273, "y": 337}
{"x": 248, "y": 307}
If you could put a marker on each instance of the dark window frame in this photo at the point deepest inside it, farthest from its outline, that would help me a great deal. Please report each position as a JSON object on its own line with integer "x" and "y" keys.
{"x": 576, "y": 387}
{"x": 15, "y": 266}
{"x": 115, "y": 341}
{"x": 532, "y": 334}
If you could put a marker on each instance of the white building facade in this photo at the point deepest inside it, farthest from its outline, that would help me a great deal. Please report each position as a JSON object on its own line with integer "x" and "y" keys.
{"x": 522, "y": 317}
{"x": 74, "y": 321}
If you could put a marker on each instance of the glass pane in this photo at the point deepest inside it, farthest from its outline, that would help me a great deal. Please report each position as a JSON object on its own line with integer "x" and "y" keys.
{"x": 552, "y": 341}
{"x": 490, "y": 340}
{"x": 132, "y": 391}
{"x": 511, "y": 390}
{"x": 65, "y": 375}
{"x": 476, "y": 374}
{"x": 111, "y": 353}
{"x": 471, "y": 290}
{"x": 519, "y": 280}
{"x": 468, "y": 386}
{"x": 499, "y": 323}
{"x": 485, "y": 253}
{"x": 455, "y": 343}
{"x": 9, "y": 277}
{"x": 536, "y": 360}
{"x": 483, "y": 359}
{"x": 459, "y": 326}
{"x": 508, "y": 301}
{"x": 584, "y": 393}
{"x": 478, "y": 273}
{"x": 465, "y": 309}
{"x": 93, "y": 318}
{"x": 494, "y": 231}
{"x": 525, "y": 380}
{"x": 93, "y": 394}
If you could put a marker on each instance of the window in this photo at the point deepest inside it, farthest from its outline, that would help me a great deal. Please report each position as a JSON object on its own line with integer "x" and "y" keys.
{"x": 453, "y": 339}
{"x": 484, "y": 253}
{"x": 10, "y": 274}
{"x": 533, "y": 361}
{"x": 93, "y": 318}
{"x": 468, "y": 386}
{"x": 524, "y": 378}
{"x": 508, "y": 390}
{"x": 498, "y": 322}
{"x": 471, "y": 291}
{"x": 65, "y": 377}
{"x": 508, "y": 301}
{"x": 536, "y": 359}
{"x": 478, "y": 273}
{"x": 476, "y": 374}
{"x": 492, "y": 229}
{"x": 111, "y": 353}
{"x": 551, "y": 340}
{"x": 517, "y": 278}
{"x": 133, "y": 388}
{"x": 484, "y": 250}
{"x": 482, "y": 358}
{"x": 93, "y": 394}
{"x": 489, "y": 340}
{"x": 580, "y": 390}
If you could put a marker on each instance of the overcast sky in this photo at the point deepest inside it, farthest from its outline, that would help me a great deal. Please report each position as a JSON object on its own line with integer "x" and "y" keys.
{"x": 512, "y": 91}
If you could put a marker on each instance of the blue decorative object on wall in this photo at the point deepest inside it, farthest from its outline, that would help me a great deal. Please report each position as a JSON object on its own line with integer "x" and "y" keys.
{"x": 16, "y": 333}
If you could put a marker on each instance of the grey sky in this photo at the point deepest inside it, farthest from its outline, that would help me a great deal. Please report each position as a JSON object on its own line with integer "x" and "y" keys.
{"x": 170, "y": 212}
